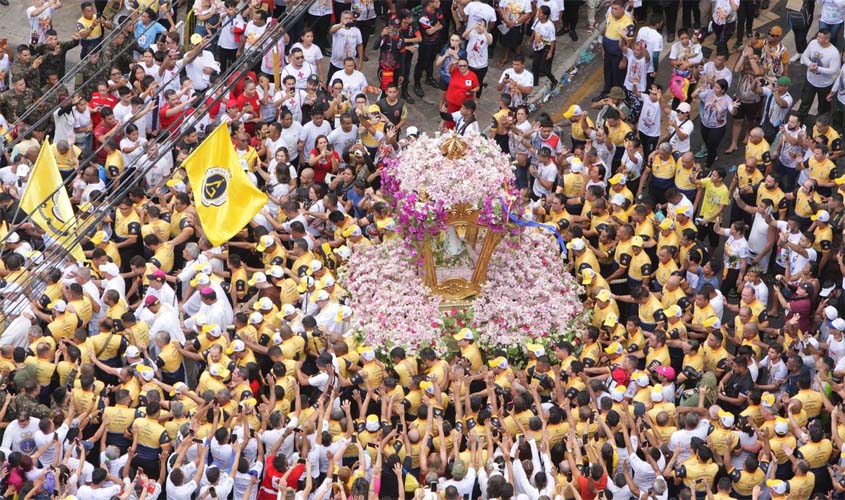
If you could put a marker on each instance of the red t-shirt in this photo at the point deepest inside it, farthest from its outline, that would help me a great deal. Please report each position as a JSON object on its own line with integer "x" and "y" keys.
{"x": 584, "y": 487}
{"x": 271, "y": 483}
{"x": 323, "y": 166}
{"x": 100, "y": 101}
{"x": 460, "y": 86}
{"x": 166, "y": 123}
{"x": 243, "y": 100}
{"x": 239, "y": 86}
{"x": 99, "y": 131}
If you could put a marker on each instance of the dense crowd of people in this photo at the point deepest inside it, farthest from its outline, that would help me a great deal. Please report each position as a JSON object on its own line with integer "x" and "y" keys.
{"x": 163, "y": 366}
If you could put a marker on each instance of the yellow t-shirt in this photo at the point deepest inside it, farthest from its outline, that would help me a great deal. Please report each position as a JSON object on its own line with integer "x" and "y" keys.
{"x": 714, "y": 198}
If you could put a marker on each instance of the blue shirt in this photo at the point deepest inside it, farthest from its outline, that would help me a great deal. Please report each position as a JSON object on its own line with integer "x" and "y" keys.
{"x": 147, "y": 37}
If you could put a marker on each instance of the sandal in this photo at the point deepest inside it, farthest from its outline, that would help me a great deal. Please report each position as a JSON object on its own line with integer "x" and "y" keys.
{"x": 590, "y": 29}
{"x": 731, "y": 151}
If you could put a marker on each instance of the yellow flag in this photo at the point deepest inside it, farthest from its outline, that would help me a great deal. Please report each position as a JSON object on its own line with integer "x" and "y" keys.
{"x": 225, "y": 198}
{"x": 46, "y": 201}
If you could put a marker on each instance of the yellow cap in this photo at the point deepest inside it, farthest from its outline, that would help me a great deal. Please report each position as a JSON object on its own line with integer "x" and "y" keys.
{"x": 464, "y": 334}
{"x": 767, "y": 400}
{"x": 667, "y": 224}
{"x": 712, "y": 322}
{"x": 603, "y": 295}
{"x": 264, "y": 242}
{"x": 610, "y": 320}
{"x": 99, "y": 237}
{"x": 572, "y": 111}
{"x": 427, "y": 386}
{"x": 587, "y": 276}
{"x": 616, "y": 179}
{"x": 637, "y": 241}
{"x": 535, "y": 349}
{"x": 673, "y": 311}
{"x": 499, "y": 362}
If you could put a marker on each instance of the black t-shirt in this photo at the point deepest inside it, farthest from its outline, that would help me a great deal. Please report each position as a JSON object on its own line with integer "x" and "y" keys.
{"x": 392, "y": 112}
{"x": 734, "y": 387}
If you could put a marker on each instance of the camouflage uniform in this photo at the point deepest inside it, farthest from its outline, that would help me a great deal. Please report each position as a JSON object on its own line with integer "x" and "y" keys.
{"x": 13, "y": 105}
{"x": 53, "y": 62}
{"x": 29, "y": 74}
{"x": 87, "y": 74}
{"x": 27, "y": 402}
{"x": 112, "y": 54}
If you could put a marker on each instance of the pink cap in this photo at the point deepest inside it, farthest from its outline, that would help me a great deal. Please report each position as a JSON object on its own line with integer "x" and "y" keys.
{"x": 150, "y": 300}
{"x": 158, "y": 274}
{"x": 666, "y": 371}
{"x": 207, "y": 290}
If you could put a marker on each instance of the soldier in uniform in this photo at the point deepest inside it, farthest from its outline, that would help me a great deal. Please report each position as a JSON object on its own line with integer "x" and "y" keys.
{"x": 15, "y": 101}
{"x": 27, "y": 67}
{"x": 114, "y": 52}
{"x": 54, "y": 54}
{"x": 87, "y": 78}
{"x": 27, "y": 399}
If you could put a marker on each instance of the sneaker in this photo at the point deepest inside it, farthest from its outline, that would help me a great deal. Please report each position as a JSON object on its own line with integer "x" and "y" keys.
{"x": 573, "y": 36}
{"x": 702, "y": 151}
{"x": 418, "y": 90}
{"x": 795, "y": 58}
{"x": 432, "y": 82}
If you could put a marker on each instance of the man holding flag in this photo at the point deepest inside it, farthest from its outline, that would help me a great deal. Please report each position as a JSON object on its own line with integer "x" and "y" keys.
{"x": 45, "y": 198}
{"x": 224, "y": 197}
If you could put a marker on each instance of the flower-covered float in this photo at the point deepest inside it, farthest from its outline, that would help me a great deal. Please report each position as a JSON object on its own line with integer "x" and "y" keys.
{"x": 459, "y": 261}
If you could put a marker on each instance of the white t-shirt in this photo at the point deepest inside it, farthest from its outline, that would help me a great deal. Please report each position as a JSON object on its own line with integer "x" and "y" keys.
{"x": 183, "y": 492}
{"x": 521, "y": 79}
{"x": 128, "y": 158}
{"x": 513, "y": 9}
{"x": 321, "y": 8}
{"x": 227, "y": 31}
{"x": 736, "y": 251}
{"x": 341, "y": 141}
{"x": 554, "y": 9}
{"x": 723, "y": 12}
{"x": 546, "y": 31}
{"x": 101, "y": 493}
{"x": 798, "y": 262}
{"x": 637, "y": 70}
{"x": 312, "y": 54}
{"x": 253, "y": 34}
{"x": 653, "y": 42}
{"x": 293, "y": 103}
{"x": 291, "y": 137}
{"x": 649, "y": 122}
{"x": 301, "y": 74}
{"x": 547, "y": 173}
{"x": 309, "y": 134}
{"x": 711, "y": 71}
{"x": 686, "y": 126}
{"x": 345, "y": 42}
{"x": 479, "y": 12}
{"x": 477, "y": 49}
{"x": 353, "y": 84}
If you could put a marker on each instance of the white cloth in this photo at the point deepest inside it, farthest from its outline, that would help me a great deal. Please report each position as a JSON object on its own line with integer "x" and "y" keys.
{"x": 649, "y": 121}
{"x": 345, "y": 42}
{"x": 828, "y": 61}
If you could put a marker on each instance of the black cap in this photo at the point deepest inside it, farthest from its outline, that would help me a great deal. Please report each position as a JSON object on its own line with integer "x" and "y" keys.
{"x": 314, "y": 79}
{"x": 395, "y": 21}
